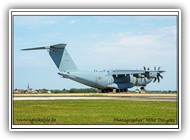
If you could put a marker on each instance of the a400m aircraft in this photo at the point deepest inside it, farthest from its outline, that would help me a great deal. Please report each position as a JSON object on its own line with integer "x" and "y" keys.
{"x": 106, "y": 81}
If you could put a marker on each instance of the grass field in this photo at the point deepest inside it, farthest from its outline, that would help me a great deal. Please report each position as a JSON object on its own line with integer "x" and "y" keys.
{"x": 94, "y": 112}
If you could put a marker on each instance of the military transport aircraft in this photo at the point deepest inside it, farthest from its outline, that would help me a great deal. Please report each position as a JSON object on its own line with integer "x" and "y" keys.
{"x": 106, "y": 81}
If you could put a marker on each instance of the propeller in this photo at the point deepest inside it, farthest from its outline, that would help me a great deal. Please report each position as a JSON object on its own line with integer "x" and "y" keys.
{"x": 146, "y": 73}
{"x": 157, "y": 71}
{"x": 158, "y": 76}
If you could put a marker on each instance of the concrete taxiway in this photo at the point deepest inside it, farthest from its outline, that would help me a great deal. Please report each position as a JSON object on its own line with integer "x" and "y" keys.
{"x": 132, "y": 97}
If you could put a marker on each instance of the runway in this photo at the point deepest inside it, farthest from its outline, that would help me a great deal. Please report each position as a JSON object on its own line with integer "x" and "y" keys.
{"x": 131, "y": 98}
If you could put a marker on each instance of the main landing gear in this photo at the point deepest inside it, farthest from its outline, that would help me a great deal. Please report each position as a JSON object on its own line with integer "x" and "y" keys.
{"x": 121, "y": 90}
{"x": 106, "y": 90}
{"x": 114, "y": 90}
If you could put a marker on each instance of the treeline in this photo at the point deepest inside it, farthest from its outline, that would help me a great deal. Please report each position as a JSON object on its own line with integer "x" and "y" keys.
{"x": 72, "y": 90}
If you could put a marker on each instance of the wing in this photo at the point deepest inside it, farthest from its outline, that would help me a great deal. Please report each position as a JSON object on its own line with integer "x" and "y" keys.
{"x": 138, "y": 73}
{"x": 128, "y": 72}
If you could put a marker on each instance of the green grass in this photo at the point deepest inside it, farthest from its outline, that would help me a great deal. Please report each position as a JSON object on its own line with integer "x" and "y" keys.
{"x": 94, "y": 112}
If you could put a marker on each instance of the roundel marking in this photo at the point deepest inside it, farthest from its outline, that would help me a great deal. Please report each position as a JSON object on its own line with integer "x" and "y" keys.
{"x": 99, "y": 78}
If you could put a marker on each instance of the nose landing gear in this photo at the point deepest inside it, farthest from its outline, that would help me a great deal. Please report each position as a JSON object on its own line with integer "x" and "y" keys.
{"x": 142, "y": 88}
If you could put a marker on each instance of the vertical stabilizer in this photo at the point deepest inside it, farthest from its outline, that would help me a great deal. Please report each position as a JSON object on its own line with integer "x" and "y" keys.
{"x": 60, "y": 56}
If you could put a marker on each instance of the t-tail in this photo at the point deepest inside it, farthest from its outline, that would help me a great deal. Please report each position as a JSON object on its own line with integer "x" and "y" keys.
{"x": 59, "y": 55}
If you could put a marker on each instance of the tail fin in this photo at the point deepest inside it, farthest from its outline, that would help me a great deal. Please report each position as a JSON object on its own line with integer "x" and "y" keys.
{"x": 60, "y": 56}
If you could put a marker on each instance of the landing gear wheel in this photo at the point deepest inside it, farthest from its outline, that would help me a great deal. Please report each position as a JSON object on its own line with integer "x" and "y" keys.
{"x": 142, "y": 88}
{"x": 106, "y": 90}
{"x": 102, "y": 91}
{"x": 126, "y": 90}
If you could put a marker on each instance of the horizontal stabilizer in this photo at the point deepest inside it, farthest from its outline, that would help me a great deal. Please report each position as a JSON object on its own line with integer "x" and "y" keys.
{"x": 52, "y": 47}
{"x": 38, "y": 48}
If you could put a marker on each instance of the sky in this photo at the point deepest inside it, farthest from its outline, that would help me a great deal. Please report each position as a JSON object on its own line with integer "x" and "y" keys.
{"x": 94, "y": 43}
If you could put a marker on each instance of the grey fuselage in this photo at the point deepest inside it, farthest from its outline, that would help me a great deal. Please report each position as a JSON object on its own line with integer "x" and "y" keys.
{"x": 105, "y": 79}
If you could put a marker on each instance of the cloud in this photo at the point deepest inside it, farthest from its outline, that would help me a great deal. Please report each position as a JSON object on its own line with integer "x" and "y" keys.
{"x": 168, "y": 31}
{"x": 138, "y": 40}
{"x": 129, "y": 49}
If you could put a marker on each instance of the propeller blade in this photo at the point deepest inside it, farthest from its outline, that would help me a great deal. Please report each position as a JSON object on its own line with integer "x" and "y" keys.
{"x": 148, "y": 69}
{"x": 161, "y": 76}
{"x": 158, "y": 76}
{"x": 144, "y": 68}
{"x": 158, "y": 79}
{"x": 154, "y": 80}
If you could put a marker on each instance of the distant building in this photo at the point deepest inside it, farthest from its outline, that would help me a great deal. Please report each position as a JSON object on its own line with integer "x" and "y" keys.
{"x": 29, "y": 90}
{"x": 19, "y": 91}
